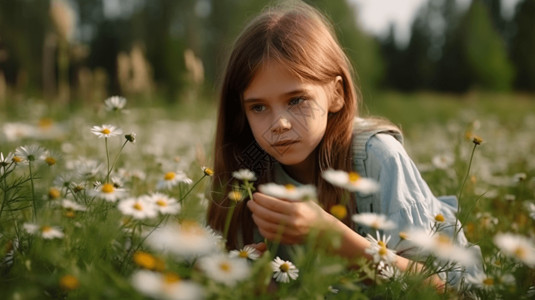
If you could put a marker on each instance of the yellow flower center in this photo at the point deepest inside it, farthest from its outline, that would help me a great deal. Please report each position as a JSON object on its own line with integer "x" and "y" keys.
{"x": 208, "y": 172}
{"x": 235, "y": 196}
{"x": 17, "y": 159}
{"x": 339, "y": 211}
{"x": 443, "y": 240}
{"x": 105, "y": 131}
{"x": 53, "y": 193}
{"x": 170, "y": 277}
{"x": 284, "y": 267}
{"x": 161, "y": 202}
{"x": 224, "y": 266}
{"x": 243, "y": 254}
{"x": 50, "y": 161}
{"x": 353, "y": 177}
{"x": 169, "y": 176}
{"x": 440, "y": 218}
{"x": 520, "y": 252}
{"x": 69, "y": 213}
{"x": 477, "y": 140}
{"x": 289, "y": 187}
{"x": 403, "y": 235}
{"x": 138, "y": 206}
{"x": 107, "y": 188}
{"x": 69, "y": 282}
{"x": 381, "y": 243}
{"x": 144, "y": 260}
{"x": 382, "y": 251}
{"x": 46, "y": 229}
{"x": 45, "y": 123}
{"x": 488, "y": 281}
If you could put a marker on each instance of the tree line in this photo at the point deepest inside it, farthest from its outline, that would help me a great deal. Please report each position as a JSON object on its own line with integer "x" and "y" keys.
{"x": 76, "y": 49}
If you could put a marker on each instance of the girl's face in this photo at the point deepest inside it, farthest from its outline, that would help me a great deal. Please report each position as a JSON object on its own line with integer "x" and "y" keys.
{"x": 287, "y": 116}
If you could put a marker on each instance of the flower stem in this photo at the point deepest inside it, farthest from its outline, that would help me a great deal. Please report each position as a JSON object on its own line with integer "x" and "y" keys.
{"x": 229, "y": 217}
{"x": 115, "y": 160}
{"x": 192, "y": 187}
{"x": 33, "y": 192}
{"x": 108, "y": 159}
{"x": 467, "y": 173}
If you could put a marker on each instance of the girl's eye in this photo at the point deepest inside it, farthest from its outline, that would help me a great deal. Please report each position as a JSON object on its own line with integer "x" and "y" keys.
{"x": 258, "y": 108}
{"x": 296, "y": 101}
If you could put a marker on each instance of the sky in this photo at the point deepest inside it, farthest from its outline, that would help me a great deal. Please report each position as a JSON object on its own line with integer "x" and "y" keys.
{"x": 375, "y": 16}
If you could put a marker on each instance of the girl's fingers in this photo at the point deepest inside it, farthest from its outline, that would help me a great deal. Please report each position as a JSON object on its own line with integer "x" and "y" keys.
{"x": 273, "y": 204}
{"x": 265, "y": 213}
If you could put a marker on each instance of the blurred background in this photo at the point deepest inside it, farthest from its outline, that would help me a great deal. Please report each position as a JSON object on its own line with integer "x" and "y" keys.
{"x": 79, "y": 51}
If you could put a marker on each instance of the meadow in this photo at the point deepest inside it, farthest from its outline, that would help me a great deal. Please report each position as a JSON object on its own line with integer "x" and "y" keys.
{"x": 107, "y": 201}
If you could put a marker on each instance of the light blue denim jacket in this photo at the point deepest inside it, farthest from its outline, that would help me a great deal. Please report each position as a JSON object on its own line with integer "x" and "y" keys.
{"x": 404, "y": 196}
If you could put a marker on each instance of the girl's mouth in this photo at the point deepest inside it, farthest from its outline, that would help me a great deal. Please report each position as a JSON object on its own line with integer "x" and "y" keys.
{"x": 284, "y": 143}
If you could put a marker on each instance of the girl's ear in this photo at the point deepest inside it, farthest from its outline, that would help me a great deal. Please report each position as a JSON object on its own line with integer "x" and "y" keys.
{"x": 337, "y": 101}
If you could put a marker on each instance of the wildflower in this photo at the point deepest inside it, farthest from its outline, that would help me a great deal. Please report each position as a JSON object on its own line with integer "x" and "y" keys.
{"x": 235, "y": 196}
{"x": 115, "y": 103}
{"x": 207, "y": 171}
{"x": 225, "y": 269}
{"x": 378, "y": 249}
{"x": 477, "y": 140}
{"x": 69, "y": 282}
{"x": 16, "y": 131}
{"x": 441, "y": 246}
{"x": 109, "y": 192}
{"x": 170, "y": 179}
{"x": 339, "y": 211}
{"x": 517, "y": 247}
{"x": 375, "y": 221}
{"x": 53, "y": 193}
{"x": 86, "y": 168}
{"x": 106, "y": 131}
{"x": 350, "y": 181}
{"x": 139, "y": 208}
{"x": 46, "y": 232}
{"x": 246, "y": 252}
{"x": 29, "y": 153}
{"x": 481, "y": 280}
{"x": 148, "y": 261}
{"x": 7, "y": 160}
{"x": 284, "y": 270}
{"x": 530, "y": 207}
{"x": 244, "y": 174}
{"x": 71, "y": 205}
{"x": 519, "y": 177}
{"x": 439, "y": 218}
{"x": 164, "y": 204}
{"x": 390, "y": 272}
{"x": 486, "y": 220}
{"x": 289, "y": 191}
{"x": 131, "y": 137}
{"x": 50, "y": 158}
{"x": 188, "y": 239}
{"x": 443, "y": 161}
{"x": 165, "y": 286}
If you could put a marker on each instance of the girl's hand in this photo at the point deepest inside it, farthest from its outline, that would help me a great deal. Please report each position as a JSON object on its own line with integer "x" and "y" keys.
{"x": 285, "y": 221}
{"x": 260, "y": 247}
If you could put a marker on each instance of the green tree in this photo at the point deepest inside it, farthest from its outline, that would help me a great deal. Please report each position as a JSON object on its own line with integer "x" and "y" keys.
{"x": 523, "y": 46}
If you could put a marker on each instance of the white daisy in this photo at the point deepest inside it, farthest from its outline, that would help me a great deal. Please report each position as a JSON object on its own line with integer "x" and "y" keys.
{"x": 487, "y": 220}
{"x": 530, "y": 207}
{"x": 284, "y": 270}
{"x": 379, "y": 251}
{"x": 186, "y": 240}
{"x": 166, "y": 286}
{"x": 350, "y": 181}
{"x": 164, "y": 204}
{"x": 139, "y": 208}
{"x": 375, "y": 221}
{"x": 46, "y": 232}
{"x": 224, "y": 269}
{"x": 16, "y": 131}
{"x": 517, "y": 247}
{"x": 389, "y": 271}
{"x": 29, "y": 153}
{"x": 244, "y": 174}
{"x": 443, "y": 161}
{"x": 481, "y": 280}
{"x": 246, "y": 252}
{"x": 106, "y": 131}
{"x": 115, "y": 103}
{"x": 441, "y": 246}
{"x": 289, "y": 191}
{"x": 7, "y": 160}
{"x": 109, "y": 192}
{"x": 170, "y": 179}
{"x": 71, "y": 205}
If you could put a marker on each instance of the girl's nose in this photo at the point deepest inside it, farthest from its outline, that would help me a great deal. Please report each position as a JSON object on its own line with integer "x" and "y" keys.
{"x": 281, "y": 125}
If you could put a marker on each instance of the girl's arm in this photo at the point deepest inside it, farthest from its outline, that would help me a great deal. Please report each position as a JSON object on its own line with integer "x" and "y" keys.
{"x": 291, "y": 222}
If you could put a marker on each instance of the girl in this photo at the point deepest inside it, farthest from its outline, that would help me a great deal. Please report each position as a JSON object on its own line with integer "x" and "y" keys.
{"x": 287, "y": 111}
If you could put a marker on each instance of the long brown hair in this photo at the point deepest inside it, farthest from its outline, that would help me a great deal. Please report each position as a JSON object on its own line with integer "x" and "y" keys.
{"x": 299, "y": 37}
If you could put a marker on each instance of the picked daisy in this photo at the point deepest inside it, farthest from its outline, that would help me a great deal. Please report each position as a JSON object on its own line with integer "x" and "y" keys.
{"x": 164, "y": 204}
{"x": 379, "y": 251}
{"x": 283, "y": 270}
{"x": 46, "y": 232}
{"x": 225, "y": 269}
{"x": 138, "y": 208}
{"x": 247, "y": 252}
{"x": 517, "y": 247}
{"x": 350, "y": 181}
{"x": 186, "y": 240}
{"x": 165, "y": 286}
{"x": 106, "y": 131}
{"x": 375, "y": 221}
{"x": 244, "y": 174}
{"x": 109, "y": 192}
{"x": 115, "y": 103}
{"x": 29, "y": 153}
{"x": 170, "y": 179}
{"x": 289, "y": 191}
